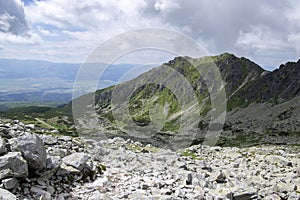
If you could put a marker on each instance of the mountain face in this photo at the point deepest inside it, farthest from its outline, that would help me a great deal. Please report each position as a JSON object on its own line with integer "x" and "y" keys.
{"x": 280, "y": 85}
{"x": 260, "y": 106}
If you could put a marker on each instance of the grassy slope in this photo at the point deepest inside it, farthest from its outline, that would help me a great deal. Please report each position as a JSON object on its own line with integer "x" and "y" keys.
{"x": 238, "y": 73}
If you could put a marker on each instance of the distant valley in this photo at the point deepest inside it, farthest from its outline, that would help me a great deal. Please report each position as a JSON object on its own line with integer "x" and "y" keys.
{"x": 42, "y": 83}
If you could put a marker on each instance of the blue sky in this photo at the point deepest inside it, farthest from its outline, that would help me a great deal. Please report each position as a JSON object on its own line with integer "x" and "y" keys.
{"x": 267, "y": 32}
{"x": 27, "y": 1}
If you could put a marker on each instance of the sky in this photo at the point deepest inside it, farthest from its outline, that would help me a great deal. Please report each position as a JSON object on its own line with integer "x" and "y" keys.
{"x": 267, "y": 32}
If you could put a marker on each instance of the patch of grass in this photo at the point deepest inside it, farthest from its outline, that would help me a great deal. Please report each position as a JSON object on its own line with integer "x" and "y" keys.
{"x": 236, "y": 102}
{"x": 171, "y": 126}
{"x": 136, "y": 148}
{"x": 241, "y": 140}
{"x": 102, "y": 167}
{"x": 188, "y": 153}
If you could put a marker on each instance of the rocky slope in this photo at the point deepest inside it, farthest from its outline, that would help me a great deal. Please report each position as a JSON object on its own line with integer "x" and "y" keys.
{"x": 262, "y": 106}
{"x": 34, "y": 166}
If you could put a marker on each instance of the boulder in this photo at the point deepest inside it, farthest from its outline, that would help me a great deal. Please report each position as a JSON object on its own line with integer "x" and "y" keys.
{"x": 30, "y": 126}
{"x": 65, "y": 170}
{"x": 49, "y": 140}
{"x": 3, "y": 149}
{"x": 6, "y": 195}
{"x": 13, "y": 165}
{"x": 53, "y": 164}
{"x": 243, "y": 195}
{"x": 33, "y": 150}
{"x": 44, "y": 195}
{"x": 77, "y": 160}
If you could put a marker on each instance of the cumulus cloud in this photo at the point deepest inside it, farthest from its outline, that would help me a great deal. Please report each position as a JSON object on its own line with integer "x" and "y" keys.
{"x": 266, "y": 31}
{"x": 31, "y": 38}
{"x": 82, "y": 15}
{"x": 14, "y": 28}
{"x": 243, "y": 27}
{"x": 12, "y": 17}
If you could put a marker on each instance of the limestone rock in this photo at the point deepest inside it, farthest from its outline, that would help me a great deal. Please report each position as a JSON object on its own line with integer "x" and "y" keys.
{"x": 10, "y": 183}
{"x": 33, "y": 150}
{"x": 3, "y": 148}
{"x": 6, "y": 195}
{"x": 77, "y": 160}
{"x": 49, "y": 140}
{"x": 13, "y": 165}
{"x": 44, "y": 195}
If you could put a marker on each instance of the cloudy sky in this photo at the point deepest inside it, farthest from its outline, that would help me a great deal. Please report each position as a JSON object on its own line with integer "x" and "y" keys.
{"x": 267, "y": 32}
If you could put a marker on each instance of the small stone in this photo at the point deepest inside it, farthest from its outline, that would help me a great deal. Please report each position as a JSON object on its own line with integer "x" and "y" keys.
{"x": 221, "y": 178}
{"x": 198, "y": 190}
{"x": 49, "y": 140}
{"x": 26, "y": 191}
{"x": 10, "y": 183}
{"x": 245, "y": 193}
{"x": 273, "y": 197}
{"x": 189, "y": 179}
{"x": 50, "y": 189}
{"x": 30, "y": 126}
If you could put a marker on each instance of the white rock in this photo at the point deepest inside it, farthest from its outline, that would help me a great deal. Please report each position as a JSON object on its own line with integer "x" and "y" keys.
{"x": 13, "y": 164}
{"x": 6, "y": 195}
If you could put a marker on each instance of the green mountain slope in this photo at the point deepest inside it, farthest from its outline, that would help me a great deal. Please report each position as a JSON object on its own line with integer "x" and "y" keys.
{"x": 261, "y": 106}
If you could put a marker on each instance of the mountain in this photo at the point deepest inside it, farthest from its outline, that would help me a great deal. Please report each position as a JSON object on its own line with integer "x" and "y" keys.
{"x": 175, "y": 102}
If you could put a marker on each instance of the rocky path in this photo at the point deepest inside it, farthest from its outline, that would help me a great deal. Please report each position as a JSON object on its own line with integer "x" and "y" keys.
{"x": 49, "y": 167}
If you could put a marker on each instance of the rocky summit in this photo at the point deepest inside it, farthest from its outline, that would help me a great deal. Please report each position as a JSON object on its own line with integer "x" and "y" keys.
{"x": 45, "y": 167}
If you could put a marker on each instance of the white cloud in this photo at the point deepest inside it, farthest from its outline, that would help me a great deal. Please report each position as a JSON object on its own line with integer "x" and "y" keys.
{"x": 165, "y": 5}
{"x": 12, "y": 17}
{"x": 5, "y": 20}
{"x": 31, "y": 38}
{"x": 67, "y": 30}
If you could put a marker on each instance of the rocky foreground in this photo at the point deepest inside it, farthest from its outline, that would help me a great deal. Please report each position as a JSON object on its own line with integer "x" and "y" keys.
{"x": 60, "y": 167}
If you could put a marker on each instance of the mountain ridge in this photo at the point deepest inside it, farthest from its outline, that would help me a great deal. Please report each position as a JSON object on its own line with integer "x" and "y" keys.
{"x": 247, "y": 86}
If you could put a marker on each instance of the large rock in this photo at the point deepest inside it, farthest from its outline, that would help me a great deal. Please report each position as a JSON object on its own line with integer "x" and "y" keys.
{"x": 3, "y": 149}
{"x": 6, "y": 195}
{"x": 33, "y": 150}
{"x": 49, "y": 140}
{"x": 53, "y": 164}
{"x": 13, "y": 165}
{"x": 66, "y": 169}
{"x": 243, "y": 195}
{"x": 44, "y": 195}
{"x": 77, "y": 160}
